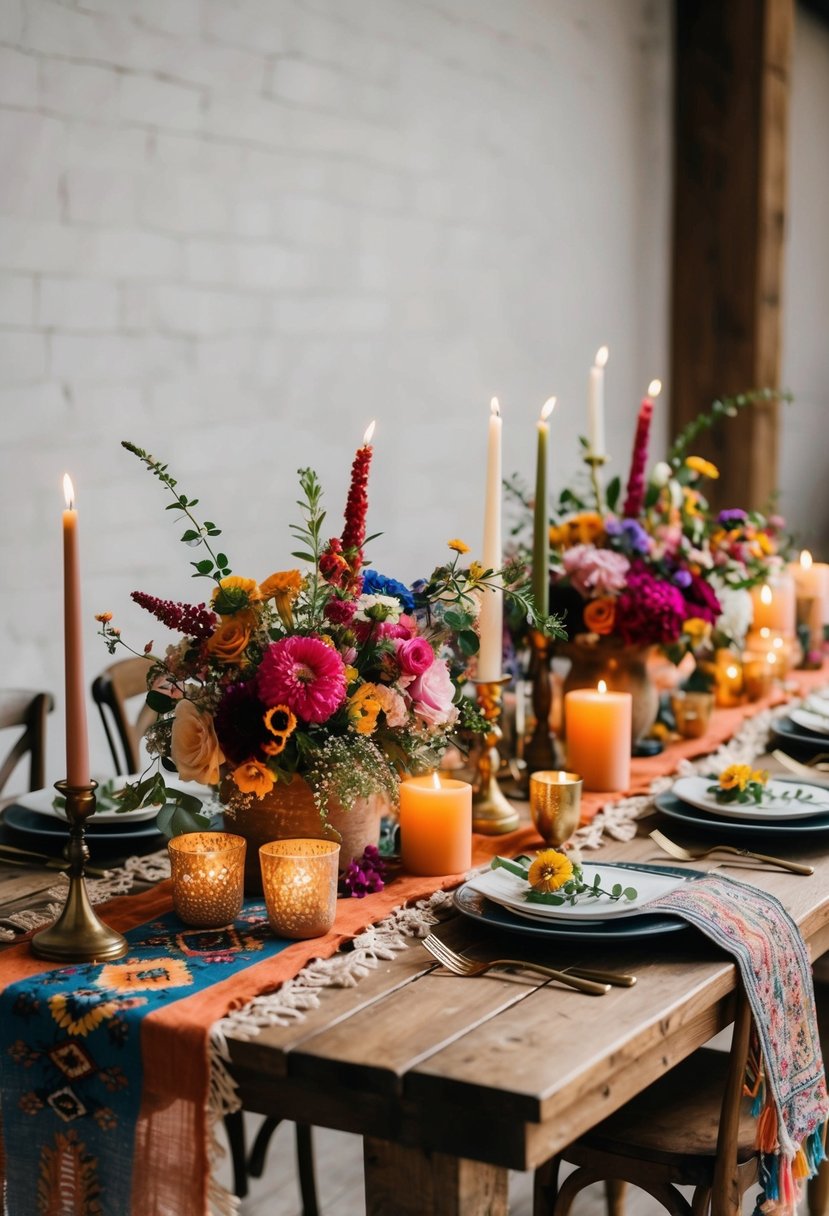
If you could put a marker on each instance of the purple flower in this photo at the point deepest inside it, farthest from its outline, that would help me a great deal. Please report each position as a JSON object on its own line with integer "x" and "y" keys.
{"x": 631, "y": 536}
{"x": 731, "y": 517}
{"x": 240, "y": 725}
{"x": 365, "y": 876}
{"x": 682, "y": 578}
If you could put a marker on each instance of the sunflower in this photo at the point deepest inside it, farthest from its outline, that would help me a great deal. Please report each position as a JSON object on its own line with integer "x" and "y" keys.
{"x": 281, "y": 724}
{"x": 550, "y": 871}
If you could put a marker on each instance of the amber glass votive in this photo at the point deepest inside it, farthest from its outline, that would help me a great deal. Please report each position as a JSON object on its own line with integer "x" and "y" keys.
{"x": 692, "y": 712}
{"x": 208, "y": 872}
{"x": 728, "y": 679}
{"x": 299, "y": 878}
{"x": 555, "y": 804}
{"x": 760, "y": 674}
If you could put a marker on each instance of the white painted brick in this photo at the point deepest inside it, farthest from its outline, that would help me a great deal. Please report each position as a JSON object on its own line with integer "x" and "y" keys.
{"x": 138, "y": 310}
{"x": 33, "y": 410}
{"x": 83, "y": 89}
{"x": 312, "y": 221}
{"x": 17, "y": 299}
{"x": 103, "y": 407}
{"x": 135, "y": 255}
{"x": 115, "y": 357}
{"x": 344, "y": 315}
{"x": 188, "y": 203}
{"x": 256, "y": 24}
{"x": 77, "y": 304}
{"x": 160, "y": 103}
{"x": 273, "y": 267}
{"x": 87, "y": 145}
{"x": 18, "y": 78}
{"x": 228, "y": 356}
{"x": 100, "y": 196}
{"x": 209, "y": 261}
{"x": 196, "y": 154}
{"x": 192, "y": 310}
{"x": 179, "y": 17}
{"x": 54, "y": 29}
{"x": 29, "y": 245}
{"x": 326, "y": 88}
{"x": 251, "y": 119}
{"x": 11, "y": 21}
{"x": 31, "y": 174}
{"x": 23, "y": 355}
{"x": 330, "y": 40}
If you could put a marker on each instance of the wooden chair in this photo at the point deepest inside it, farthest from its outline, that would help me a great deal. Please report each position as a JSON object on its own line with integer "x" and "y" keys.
{"x": 112, "y": 691}
{"x": 19, "y": 707}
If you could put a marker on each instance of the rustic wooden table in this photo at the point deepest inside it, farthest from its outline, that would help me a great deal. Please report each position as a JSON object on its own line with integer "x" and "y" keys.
{"x": 454, "y": 1081}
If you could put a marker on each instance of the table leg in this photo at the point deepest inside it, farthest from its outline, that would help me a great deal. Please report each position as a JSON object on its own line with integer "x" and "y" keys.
{"x": 412, "y": 1182}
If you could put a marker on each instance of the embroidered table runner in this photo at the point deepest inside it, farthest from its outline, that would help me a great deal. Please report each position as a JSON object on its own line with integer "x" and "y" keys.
{"x": 787, "y": 1075}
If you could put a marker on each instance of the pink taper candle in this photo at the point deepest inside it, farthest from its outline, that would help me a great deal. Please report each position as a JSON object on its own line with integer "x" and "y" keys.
{"x": 77, "y": 743}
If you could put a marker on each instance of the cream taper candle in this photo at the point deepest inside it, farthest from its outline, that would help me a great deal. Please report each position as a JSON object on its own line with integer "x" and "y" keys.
{"x": 77, "y": 742}
{"x": 491, "y": 619}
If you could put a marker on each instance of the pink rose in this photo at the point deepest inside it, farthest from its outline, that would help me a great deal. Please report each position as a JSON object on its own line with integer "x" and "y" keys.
{"x": 432, "y": 694}
{"x": 414, "y": 655}
{"x": 596, "y": 571}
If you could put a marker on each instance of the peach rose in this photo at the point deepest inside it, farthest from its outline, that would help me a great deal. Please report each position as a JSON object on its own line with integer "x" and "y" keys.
{"x": 194, "y": 748}
{"x": 230, "y": 641}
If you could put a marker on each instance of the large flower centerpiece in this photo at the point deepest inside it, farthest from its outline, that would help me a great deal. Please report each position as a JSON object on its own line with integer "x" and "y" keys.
{"x": 327, "y": 672}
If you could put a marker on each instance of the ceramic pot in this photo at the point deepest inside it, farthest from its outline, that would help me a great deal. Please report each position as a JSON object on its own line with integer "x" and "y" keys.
{"x": 623, "y": 668}
{"x": 288, "y": 812}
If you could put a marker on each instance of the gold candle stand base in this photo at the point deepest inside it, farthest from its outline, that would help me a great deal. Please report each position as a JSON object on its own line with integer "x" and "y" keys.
{"x": 539, "y": 751}
{"x": 492, "y": 814}
{"x": 78, "y": 936}
{"x": 595, "y": 464}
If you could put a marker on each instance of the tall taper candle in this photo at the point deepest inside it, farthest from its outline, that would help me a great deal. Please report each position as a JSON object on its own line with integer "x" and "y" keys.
{"x": 595, "y": 403}
{"x": 491, "y": 620}
{"x": 77, "y": 743}
{"x": 541, "y": 518}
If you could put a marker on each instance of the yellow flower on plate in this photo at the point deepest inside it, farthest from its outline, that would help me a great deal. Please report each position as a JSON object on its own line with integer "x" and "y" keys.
{"x": 458, "y": 545}
{"x": 697, "y": 464}
{"x": 760, "y": 776}
{"x": 550, "y": 871}
{"x": 736, "y": 776}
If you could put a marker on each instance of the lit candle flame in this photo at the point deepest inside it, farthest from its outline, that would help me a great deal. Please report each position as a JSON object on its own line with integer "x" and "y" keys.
{"x": 654, "y": 388}
{"x": 602, "y": 356}
{"x": 68, "y": 492}
{"x": 765, "y": 594}
{"x": 805, "y": 560}
{"x": 436, "y": 780}
{"x": 732, "y": 672}
{"x": 771, "y": 658}
{"x": 777, "y": 643}
{"x": 495, "y": 408}
{"x": 547, "y": 408}
{"x": 369, "y": 434}
{"x": 602, "y": 687}
{"x": 765, "y": 632}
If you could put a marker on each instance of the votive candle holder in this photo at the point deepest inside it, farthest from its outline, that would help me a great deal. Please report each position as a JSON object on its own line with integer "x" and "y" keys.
{"x": 555, "y": 804}
{"x": 299, "y": 878}
{"x": 208, "y": 872}
{"x": 692, "y": 711}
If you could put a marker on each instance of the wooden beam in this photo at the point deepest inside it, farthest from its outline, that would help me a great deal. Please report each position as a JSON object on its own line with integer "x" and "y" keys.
{"x": 732, "y": 96}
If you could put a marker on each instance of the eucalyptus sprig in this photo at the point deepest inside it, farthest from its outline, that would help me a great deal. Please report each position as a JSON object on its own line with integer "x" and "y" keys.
{"x": 555, "y": 879}
{"x": 215, "y": 566}
{"x": 723, "y": 407}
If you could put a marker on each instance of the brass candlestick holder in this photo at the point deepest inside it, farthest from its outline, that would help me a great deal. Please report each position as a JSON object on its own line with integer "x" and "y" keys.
{"x": 492, "y": 814}
{"x": 595, "y": 463}
{"x": 539, "y": 752}
{"x": 78, "y": 936}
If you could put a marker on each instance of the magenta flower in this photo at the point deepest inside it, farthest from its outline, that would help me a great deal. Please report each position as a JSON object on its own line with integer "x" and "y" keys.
{"x": 595, "y": 571}
{"x": 414, "y": 656}
{"x": 304, "y": 674}
{"x": 649, "y": 611}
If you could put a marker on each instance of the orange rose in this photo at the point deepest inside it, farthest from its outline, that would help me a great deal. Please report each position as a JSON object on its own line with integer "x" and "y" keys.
{"x": 229, "y": 642}
{"x": 600, "y": 615}
{"x": 253, "y": 777}
{"x": 194, "y": 748}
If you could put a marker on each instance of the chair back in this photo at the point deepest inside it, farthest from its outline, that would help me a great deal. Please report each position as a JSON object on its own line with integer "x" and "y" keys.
{"x": 111, "y": 691}
{"x": 22, "y": 707}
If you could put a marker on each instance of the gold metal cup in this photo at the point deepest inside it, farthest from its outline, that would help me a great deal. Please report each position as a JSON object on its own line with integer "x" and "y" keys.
{"x": 555, "y": 804}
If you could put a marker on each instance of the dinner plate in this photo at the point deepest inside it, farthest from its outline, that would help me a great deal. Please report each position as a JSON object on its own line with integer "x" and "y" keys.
{"x": 508, "y": 890}
{"x": 41, "y": 801}
{"x": 33, "y": 823}
{"x": 779, "y": 803}
{"x": 807, "y": 718}
{"x": 477, "y": 907}
{"x": 674, "y": 808}
{"x": 790, "y": 734}
{"x": 818, "y": 703}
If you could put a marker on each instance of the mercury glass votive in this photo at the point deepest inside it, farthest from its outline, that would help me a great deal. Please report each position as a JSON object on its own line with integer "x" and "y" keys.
{"x": 555, "y": 804}
{"x": 760, "y": 674}
{"x": 299, "y": 878}
{"x": 208, "y": 872}
{"x": 692, "y": 712}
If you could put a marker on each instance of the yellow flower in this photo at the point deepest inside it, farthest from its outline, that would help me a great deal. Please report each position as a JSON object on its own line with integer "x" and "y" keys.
{"x": 586, "y": 528}
{"x": 234, "y": 593}
{"x": 363, "y": 709}
{"x": 760, "y": 776}
{"x": 550, "y": 871}
{"x": 458, "y": 546}
{"x": 103, "y": 617}
{"x": 476, "y": 571}
{"x": 736, "y": 776}
{"x": 253, "y": 777}
{"x": 283, "y": 588}
{"x": 279, "y": 720}
{"x": 697, "y": 629}
{"x": 704, "y": 468}
{"x": 351, "y": 674}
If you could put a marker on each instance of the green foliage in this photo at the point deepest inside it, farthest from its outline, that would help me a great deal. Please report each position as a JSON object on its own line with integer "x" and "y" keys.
{"x": 722, "y": 408}
{"x": 308, "y": 535}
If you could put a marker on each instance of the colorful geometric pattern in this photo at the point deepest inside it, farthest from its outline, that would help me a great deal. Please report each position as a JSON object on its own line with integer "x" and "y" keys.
{"x": 788, "y": 1079}
{"x": 70, "y": 1059}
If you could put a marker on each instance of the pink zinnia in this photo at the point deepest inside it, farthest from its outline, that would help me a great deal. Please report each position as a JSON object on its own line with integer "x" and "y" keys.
{"x": 304, "y": 674}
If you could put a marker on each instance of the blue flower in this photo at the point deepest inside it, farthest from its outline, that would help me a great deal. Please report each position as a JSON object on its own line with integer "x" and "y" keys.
{"x": 379, "y": 584}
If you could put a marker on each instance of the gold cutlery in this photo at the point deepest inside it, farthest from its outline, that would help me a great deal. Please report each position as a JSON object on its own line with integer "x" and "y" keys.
{"x": 25, "y": 857}
{"x": 459, "y": 964}
{"x": 682, "y": 854}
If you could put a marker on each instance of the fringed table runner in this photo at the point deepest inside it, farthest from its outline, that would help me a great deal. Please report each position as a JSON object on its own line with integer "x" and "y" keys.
{"x": 785, "y": 1076}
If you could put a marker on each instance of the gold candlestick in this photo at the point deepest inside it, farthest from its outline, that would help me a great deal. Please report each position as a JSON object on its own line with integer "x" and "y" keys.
{"x": 492, "y": 814}
{"x": 539, "y": 752}
{"x": 78, "y": 936}
{"x": 596, "y": 462}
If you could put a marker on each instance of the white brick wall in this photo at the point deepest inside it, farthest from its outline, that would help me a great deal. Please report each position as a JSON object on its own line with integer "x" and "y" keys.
{"x": 234, "y": 231}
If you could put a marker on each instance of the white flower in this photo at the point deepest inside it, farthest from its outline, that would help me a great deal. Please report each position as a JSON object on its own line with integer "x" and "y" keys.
{"x": 737, "y": 611}
{"x": 661, "y": 474}
{"x": 378, "y": 608}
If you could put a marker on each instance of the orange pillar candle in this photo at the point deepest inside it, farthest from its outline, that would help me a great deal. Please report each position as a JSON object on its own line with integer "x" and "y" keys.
{"x": 774, "y": 605}
{"x": 77, "y": 743}
{"x": 811, "y": 579}
{"x": 599, "y": 736}
{"x": 435, "y": 825}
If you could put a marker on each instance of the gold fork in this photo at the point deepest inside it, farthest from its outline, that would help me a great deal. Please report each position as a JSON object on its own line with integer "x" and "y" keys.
{"x": 682, "y": 854}
{"x": 459, "y": 964}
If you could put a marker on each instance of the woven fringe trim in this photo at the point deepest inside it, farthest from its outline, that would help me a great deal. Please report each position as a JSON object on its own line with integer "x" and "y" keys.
{"x": 782, "y": 1177}
{"x": 289, "y": 1003}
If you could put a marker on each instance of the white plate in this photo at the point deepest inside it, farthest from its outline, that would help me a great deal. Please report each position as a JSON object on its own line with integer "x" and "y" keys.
{"x": 41, "y": 801}
{"x": 508, "y": 890}
{"x": 812, "y": 721}
{"x": 775, "y": 805}
{"x": 819, "y": 704}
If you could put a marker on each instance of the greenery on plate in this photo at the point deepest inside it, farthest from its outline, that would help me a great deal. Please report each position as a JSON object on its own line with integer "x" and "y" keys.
{"x": 554, "y": 879}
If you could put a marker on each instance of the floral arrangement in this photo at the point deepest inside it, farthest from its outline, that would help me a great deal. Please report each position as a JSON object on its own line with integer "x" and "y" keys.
{"x": 554, "y": 878}
{"x": 659, "y": 566}
{"x": 333, "y": 672}
{"x": 742, "y": 783}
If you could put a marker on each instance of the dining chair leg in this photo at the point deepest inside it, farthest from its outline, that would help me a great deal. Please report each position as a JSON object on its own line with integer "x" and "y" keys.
{"x": 256, "y": 1161}
{"x": 235, "y": 1128}
{"x": 817, "y": 1192}
{"x": 614, "y": 1193}
{"x": 305, "y": 1169}
{"x": 701, "y": 1201}
{"x": 545, "y": 1187}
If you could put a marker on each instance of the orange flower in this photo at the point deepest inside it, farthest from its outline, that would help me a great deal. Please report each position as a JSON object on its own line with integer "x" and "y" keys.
{"x": 586, "y": 528}
{"x": 233, "y": 593}
{"x": 283, "y": 587}
{"x": 253, "y": 777}
{"x": 363, "y": 708}
{"x": 600, "y": 615}
{"x": 229, "y": 642}
{"x": 194, "y": 748}
{"x": 103, "y": 617}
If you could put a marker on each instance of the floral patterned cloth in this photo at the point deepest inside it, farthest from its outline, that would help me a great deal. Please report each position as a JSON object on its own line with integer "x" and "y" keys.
{"x": 786, "y": 1077}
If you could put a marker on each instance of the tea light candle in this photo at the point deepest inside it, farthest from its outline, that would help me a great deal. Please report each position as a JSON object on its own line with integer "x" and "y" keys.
{"x": 435, "y": 825}
{"x": 208, "y": 872}
{"x": 774, "y": 605}
{"x": 759, "y": 674}
{"x": 760, "y": 642}
{"x": 299, "y": 878}
{"x": 728, "y": 679}
{"x": 599, "y": 736}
